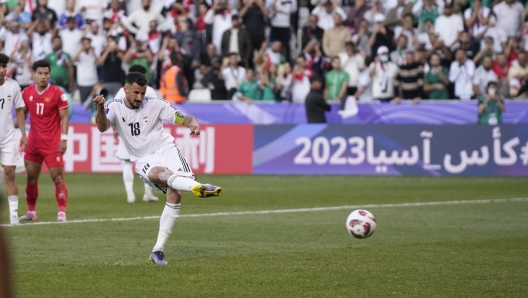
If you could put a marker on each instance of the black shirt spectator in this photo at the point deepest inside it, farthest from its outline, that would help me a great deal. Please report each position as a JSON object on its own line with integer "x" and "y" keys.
{"x": 381, "y": 35}
{"x": 315, "y": 104}
{"x": 254, "y": 19}
{"x": 45, "y": 14}
{"x": 410, "y": 79}
{"x": 311, "y": 31}
{"x": 213, "y": 82}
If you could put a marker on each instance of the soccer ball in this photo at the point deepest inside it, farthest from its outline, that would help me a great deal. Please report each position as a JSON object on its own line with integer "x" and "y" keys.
{"x": 361, "y": 224}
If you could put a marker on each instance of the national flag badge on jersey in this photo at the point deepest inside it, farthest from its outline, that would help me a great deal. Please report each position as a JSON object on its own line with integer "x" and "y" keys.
{"x": 9, "y": 97}
{"x": 47, "y": 99}
{"x": 144, "y": 118}
{"x": 63, "y": 97}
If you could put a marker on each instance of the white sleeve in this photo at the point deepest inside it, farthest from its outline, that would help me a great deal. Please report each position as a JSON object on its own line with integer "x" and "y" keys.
{"x": 476, "y": 77}
{"x": 109, "y": 111}
{"x": 168, "y": 113}
{"x": 453, "y": 72}
{"x": 17, "y": 97}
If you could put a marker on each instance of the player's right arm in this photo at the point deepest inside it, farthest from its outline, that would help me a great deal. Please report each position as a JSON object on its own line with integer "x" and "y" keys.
{"x": 100, "y": 118}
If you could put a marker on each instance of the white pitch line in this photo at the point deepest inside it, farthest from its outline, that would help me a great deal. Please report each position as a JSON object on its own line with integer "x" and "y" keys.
{"x": 368, "y": 206}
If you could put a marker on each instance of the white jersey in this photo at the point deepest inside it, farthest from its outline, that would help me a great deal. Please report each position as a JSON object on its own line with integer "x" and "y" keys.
{"x": 10, "y": 96}
{"x": 141, "y": 130}
{"x": 149, "y": 93}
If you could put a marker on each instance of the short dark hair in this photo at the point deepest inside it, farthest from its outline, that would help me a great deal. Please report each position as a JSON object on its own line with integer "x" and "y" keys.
{"x": 57, "y": 36}
{"x": 137, "y": 68}
{"x": 233, "y": 54}
{"x": 491, "y": 83}
{"x": 4, "y": 59}
{"x": 41, "y": 63}
{"x": 136, "y": 78}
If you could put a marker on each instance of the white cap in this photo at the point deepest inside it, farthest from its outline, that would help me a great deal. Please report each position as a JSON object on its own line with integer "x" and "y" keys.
{"x": 382, "y": 50}
{"x": 379, "y": 17}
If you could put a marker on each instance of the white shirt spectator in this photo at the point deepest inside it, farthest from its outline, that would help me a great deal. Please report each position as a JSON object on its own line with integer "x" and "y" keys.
{"x": 233, "y": 41}
{"x": 94, "y": 9}
{"x": 71, "y": 41}
{"x": 419, "y": 6}
{"x": 114, "y": 16}
{"x": 11, "y": 41}
{"x": 88, "y": 74}
{"x": 220, "y": 23}
{"x": 383, "y": 78}
{"x": 353, "y": 66}
{"x": 41, "y": 45}
{"x": 142, "y": 19}
{"x": 398, "y": 30}
{"x": 482, "y": 77}
{"x": 98, "y": 43}
{"x": 233, "y": 77}
{"x": 509, "y": 18}
{"x": 498, "y": 34}
{"x": 462, "y": 77}
{"x": 282, "y": 14}
{"x": 448, "y": 28}
{"x": 483, "y": 11}
{"x": 58, "y": 6}
{"x": 300, "y": 88}
{"x": 326, "y": 20}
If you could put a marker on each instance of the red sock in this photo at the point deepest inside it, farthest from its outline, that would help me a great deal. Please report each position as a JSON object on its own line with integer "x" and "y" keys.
{"x": 61, "y": 194}
{"x": 31, "y": 196}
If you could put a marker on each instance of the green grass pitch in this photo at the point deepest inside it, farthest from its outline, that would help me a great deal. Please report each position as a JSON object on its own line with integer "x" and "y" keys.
{"x": 449, "y": 250}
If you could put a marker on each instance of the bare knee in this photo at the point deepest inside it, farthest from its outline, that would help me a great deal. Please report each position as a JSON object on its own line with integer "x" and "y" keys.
{"x": 159, "y": 175}
{"x": 57, "y": 179}
{"x": 9, "y": 173}
{"x": 31, "y": 179}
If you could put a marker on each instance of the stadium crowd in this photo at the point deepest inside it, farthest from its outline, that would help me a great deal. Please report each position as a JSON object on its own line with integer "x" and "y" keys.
{"x": 248, "y": 50}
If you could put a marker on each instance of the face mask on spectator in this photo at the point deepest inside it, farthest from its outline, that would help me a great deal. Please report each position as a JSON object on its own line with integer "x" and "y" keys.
{"x": 384, "y": 58}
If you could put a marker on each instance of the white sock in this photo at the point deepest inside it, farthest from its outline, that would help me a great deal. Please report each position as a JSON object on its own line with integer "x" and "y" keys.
{"x": 148, "y": 190}
{"x": 181, "y": 183}
{"x": 13, "y": 204}
{"x": 128, "y": 177}
{"x": 167, "y": 221}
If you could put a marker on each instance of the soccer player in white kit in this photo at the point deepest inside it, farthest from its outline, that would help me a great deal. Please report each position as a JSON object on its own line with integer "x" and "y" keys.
{"x": 122, "y": 153}
{"x": 138, "y": 120}
{"x": 10, "y": 96}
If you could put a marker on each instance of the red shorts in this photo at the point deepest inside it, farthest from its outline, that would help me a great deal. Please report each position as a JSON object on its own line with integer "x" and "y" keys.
{"x": 51, "y": 156}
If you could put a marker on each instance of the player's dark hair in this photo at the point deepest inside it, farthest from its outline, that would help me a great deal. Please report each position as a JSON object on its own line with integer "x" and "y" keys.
{"x": 4, "y": 59}
{"x": 41, "y": 63}
{"x": 136, "y": 78}
{"x": 137, "y": 68}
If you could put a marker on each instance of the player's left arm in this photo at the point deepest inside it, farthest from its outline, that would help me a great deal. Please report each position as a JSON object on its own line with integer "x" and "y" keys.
{"x": 169, "y": 113}
{"x": 65, "y": 125}
{"x": 191, "y": 122}
{"x": 21, "y": 114}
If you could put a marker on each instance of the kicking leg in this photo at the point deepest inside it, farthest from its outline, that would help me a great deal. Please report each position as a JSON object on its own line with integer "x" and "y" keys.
{"x": 12, "y": 193}
{"x": 128, "y": 178}
{"x": 32, "y": 175}
{"x": 164, "y": 177}
{"x": 167, "y": 221}
{"x": 61, "y": 191}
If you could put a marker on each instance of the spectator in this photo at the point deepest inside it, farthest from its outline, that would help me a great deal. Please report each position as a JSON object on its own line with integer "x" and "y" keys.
{"x": 21, "y": 58}
{"x": 115, "y": 14}
{"x": 409, "y": 79}
{"x": 500, "y": 68}
{"x": 510, "y": 16}
{"x": 61, "y": 64}
{"x": 73, "y": 37}
{"x": 517, "y": 76}
{"x": 232, "y": 74}
{"x": 476, "y": 17}
{"x": 311, "y": 31}
{"x": 493, "y": 31}
{"x": 428, "y": 10}
{"x": 299, "y": 80}
{"x": 465, "y": 43}
{"x": 407, "y": 30}
{"x": 356, "y": 13}
{"x": 436, "y": 81}
{"x": 44, "y": 13}
{"x": 491, "y": 106}
{"x": 172, "y": 83}
{"x": 219, "y": 16}
{"x": 59, "y": 7}
{"x": 395, "y": 16}
{"x": 111, "y": 60}
{"x": 86, "y": 63}
{"x": 325, "y": 12}
{"x": 398, "y": 56}
{"x": 461, "y": 75}
{"x": 23, "y": 18}
{"x": 353, "y": 63}
{"x": 271, "y": 83}
{"x": 253, "y": 14}
{"x": 424, "y": 30}
{"x": 154, "y": 38}
{"x": 361, "y": 39}
{"x": 483, "y": 75}
{"x": 91, "y": 10}
{"x": 237, "y": 40}
{"x": 249, "y": 90}
{"x": 439, "y": 48}
{"x": 280, "y": 23}
{"x": 185, "y": 35}
{"x": 377, "y": 9}
{"x": 12, "y": 38}
{"x": 142, "y": 18}
{"x": 512, "y": 49}
{"x": 383, "y": 72}
{"x": 381, "y": 36}
{"x": 334, "y": 40}
{"x": 139, "y": 54}
{"x": 315, "y": 104}
{"x": 487, "y": 51}
{"x": 336, "y": 83}
{"x": 315, "y": 60}
{"x": 71, "y": 13}
{"x": 207, "y": 56}
{"x": 40, "y": 34}
{"x": 212, "y": 80}
{"x": 449, "y": 25}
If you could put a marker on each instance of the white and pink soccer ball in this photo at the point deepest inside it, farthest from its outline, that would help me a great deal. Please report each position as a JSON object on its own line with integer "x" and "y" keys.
{"x": 361, "y": 224}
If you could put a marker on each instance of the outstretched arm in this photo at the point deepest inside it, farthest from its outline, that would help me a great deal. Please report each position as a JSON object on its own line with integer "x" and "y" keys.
{"x": 189, "y": 121}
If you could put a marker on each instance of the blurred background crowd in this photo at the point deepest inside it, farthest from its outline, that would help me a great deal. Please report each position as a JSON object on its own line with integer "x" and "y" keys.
{"x": 249, "y": 50}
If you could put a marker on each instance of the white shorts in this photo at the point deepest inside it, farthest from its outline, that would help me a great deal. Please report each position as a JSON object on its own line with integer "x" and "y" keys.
{"x": 122, "y": 152}
{"x": 9, "y": 153}
{"x": 168, "y": 157}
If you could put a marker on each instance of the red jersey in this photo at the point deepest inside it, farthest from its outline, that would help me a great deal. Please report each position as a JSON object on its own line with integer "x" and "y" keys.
{"x": 44, "y": 120}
